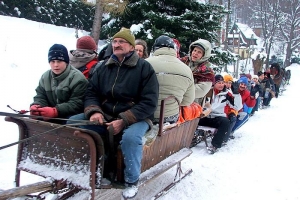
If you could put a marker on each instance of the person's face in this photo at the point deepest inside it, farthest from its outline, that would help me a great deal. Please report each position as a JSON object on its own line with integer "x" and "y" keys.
{"x": 219, "y": 85}
{"x": 228, "y": 84}
{"x": 242, "y": 86}
{"x": 58, "y": 66}
{"x": 197, "y": 53}
{"x": 140, "y": 50}
{"x": 261, "y": 77}
{"x": 121, "y": 48}
{"x": 255, "y": 80}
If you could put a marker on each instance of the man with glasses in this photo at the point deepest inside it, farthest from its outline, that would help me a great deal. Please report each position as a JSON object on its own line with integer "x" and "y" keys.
{"x": 248, "y": 101}
{"x": 123, "y": 92}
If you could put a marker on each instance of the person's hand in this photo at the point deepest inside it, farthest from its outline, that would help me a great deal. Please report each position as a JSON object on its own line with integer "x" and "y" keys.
{"x": 34, "y": 110}
{"x": 253, "y": 93}
{"x": 50, "y": 112}
{"x": 98, "y": 117}
{"x": 256, "y": 95}
{"x": 229, "y": 98}
{"x": 117, "y": 125}
{"x": 235, "y": 87}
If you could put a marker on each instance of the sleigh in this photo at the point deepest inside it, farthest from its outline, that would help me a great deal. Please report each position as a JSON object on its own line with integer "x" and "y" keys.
{"x": 72, "y": 159}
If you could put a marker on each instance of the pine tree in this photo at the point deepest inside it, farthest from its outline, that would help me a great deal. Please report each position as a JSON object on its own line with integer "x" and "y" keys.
{"x": 186, "y": 21}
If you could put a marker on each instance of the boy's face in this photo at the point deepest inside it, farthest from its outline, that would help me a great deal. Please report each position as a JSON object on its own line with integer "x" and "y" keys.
{"x": 58, "y": 66}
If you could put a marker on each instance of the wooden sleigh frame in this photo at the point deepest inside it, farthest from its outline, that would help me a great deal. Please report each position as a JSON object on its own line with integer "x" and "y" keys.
{"x": 67, "y": 150}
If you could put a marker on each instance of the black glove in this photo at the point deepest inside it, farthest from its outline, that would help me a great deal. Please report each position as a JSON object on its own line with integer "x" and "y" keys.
{"x": 253, "y": 92}
{"x": 235, "y": 87}
{"x": 230, "y": 98}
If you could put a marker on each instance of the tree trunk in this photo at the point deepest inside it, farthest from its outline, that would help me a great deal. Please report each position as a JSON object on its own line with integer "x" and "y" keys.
{"x": 257, "y": 64}
{"x": 97, "y": 21}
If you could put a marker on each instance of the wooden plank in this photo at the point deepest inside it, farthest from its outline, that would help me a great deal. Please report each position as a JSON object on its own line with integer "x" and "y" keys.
{"x": 164, "y": 165}
{"x": 25, "y": 190}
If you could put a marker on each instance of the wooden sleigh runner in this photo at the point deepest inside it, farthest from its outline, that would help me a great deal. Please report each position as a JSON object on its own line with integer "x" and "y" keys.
{"x": 72, "y": 159}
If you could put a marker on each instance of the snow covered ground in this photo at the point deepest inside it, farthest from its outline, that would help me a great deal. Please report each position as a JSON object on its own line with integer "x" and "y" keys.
{"x": 261, "y": 163}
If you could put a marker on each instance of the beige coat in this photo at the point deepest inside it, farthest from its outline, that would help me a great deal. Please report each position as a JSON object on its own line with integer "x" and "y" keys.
{"x": 174, "y": 78}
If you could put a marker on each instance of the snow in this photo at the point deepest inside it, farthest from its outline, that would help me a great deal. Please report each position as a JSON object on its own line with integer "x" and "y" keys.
{"x": 261, "y": 163}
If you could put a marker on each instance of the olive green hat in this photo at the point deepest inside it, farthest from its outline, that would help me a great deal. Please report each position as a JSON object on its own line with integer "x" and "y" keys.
{"x": 126, "y": 34}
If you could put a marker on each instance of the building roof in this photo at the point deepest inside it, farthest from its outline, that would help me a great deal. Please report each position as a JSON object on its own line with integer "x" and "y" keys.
{"x": 246, "y": 31}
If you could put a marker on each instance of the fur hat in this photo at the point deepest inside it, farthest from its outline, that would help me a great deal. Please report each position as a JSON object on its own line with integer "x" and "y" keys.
{"x": 244, "y": 80}
{"x": 126, "y": 34}
{"x": 228, "y": 78}
{"x": 58, "y": 52}
{"x": 218, "y": 78}
{"x": 86, "y": 42}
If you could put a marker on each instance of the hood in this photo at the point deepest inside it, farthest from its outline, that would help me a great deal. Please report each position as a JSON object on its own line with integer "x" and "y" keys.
{"x": 165, "y": 51}
{"x": 207, "y": 46}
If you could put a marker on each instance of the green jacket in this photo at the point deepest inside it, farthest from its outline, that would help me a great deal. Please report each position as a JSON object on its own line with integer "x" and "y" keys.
{"x": 65, "y": 92}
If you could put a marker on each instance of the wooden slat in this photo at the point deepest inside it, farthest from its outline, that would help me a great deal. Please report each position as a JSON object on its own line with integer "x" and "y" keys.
{"x": 24, "y": 190}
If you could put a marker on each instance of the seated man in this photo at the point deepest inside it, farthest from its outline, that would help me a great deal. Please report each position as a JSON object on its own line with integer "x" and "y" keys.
{"x": 124, "y": 93}
{"x": 248, "y": 101}
{"x": 61, "y": 89}
{"x": 174, "y": 78}
{"x": 221, "y": 100}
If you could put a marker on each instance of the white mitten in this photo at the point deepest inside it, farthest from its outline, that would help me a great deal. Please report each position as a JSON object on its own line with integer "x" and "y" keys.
{"x": 256, "y": 95}
{"x": 242, "y": 115}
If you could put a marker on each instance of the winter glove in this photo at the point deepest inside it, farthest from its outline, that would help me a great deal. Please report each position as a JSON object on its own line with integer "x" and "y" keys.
{"x": 34, "y": 110}
{"x": 229, "y": 98}
{"x": 253, "y": 92}
{"x": 48, "y": 112}
{"x": 256, "y": 95}
{"x": 235, "y": 87}
{"x": 242, "y": 115}
{"x": 267, "y": 93}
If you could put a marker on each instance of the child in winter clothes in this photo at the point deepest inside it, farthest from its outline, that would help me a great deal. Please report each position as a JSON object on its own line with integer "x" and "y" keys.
{"x": 255, "y": 87}
{"x": 61, "y": 89}
{"x": 232, "y": 113}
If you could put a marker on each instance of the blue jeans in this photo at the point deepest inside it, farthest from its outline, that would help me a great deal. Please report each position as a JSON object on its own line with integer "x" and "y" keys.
{"x": 255, "y": 108}
{"x": 131, "y": 145}
{"x": 232, "y": 120}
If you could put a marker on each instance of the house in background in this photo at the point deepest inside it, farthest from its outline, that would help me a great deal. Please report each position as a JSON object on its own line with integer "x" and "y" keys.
{"x": 241, "y": 39}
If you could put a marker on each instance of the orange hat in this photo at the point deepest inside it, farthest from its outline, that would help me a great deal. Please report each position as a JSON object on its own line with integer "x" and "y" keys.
{"x": 228, "y": 77}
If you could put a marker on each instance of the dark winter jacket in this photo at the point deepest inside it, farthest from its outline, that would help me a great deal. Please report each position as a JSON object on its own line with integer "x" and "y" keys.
{"x": 127, "y": 90}
{"x": 65, "y": 91}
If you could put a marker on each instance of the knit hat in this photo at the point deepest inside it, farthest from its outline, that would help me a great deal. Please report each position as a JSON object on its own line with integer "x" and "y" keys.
{"x": 254, "y": 76}
{"x": 86, "y": 42}
{"x": 259, "y": 73}
{"x": 218, "y": 78}
{"x": 228, "y": 78}
{"x": 244, "y": 80}
{"x": 126, "y": 34}
{"x": 248, "y": 76}
{"x": 58, "y": 52}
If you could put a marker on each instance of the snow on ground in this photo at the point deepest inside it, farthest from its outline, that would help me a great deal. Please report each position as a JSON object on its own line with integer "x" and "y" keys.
{"x": 261, "y": 163}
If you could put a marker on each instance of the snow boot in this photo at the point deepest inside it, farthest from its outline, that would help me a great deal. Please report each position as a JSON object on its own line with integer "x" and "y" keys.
{"x": 130, "y": 191}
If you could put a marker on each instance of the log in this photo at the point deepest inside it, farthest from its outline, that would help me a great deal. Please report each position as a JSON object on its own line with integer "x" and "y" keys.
{"x": 26, "y": 189}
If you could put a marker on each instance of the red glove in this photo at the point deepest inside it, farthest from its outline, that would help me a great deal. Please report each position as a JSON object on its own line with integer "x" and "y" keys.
{"x": 34, "y": 110}
{"x": 48, "y": 112}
